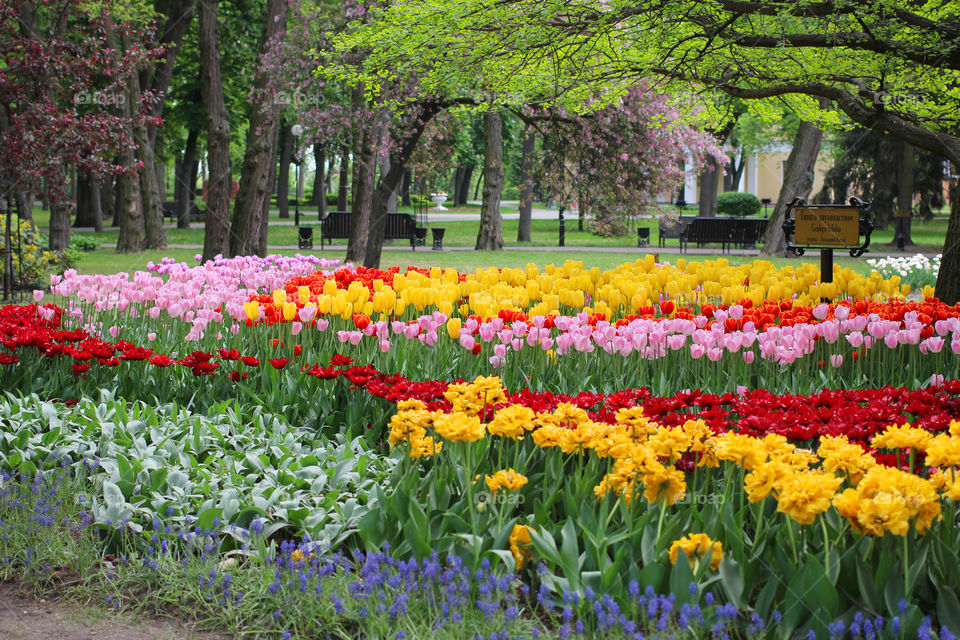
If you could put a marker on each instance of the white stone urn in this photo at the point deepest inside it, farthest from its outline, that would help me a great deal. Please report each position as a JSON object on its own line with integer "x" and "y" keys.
{"x": 438, "y": 199}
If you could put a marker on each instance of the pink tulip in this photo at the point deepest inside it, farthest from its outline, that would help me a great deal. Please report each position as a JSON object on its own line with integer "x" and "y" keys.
{"x": 676, "y": 342}
{"x": 487, "y": 331}
{"x": 748, "y": 357}
{"x": 546, "y": 343}
{"x": 466, "y": 340}
{"x": 153, "y": 336}
{"x": 841, "y": 312}
{"x": 732, "y": 342}
{"x": 933, "y": 344}
{"x": 891, "y": 340}
{"x": 37, "y": 295}
{"x": 836, "y": 360}
{"x": 384, "y": 346}
{"x": 307, "y": 313}
{"x": 519, "y": 328}
{"x": 322, "y": 324}
{"x": 714, "y": 354}
{"x": 855, "y": 339}
{"x": 296, "y": 328}
{"x": 830, "y": 331}
{"x": 936, "y": 380}
{"x": 697, "y": 351}
{"x": 820, "y": 311}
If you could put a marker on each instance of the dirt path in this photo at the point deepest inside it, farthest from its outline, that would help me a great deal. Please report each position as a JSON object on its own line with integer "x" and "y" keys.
{"x": 29, "y": 618}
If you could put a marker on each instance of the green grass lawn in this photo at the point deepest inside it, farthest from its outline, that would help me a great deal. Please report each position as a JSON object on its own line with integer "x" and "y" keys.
{"x": 459, "y": 234}
{"x": 105, "y": 261}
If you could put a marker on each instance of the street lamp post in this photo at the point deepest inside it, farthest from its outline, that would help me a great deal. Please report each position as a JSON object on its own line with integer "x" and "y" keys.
{"x": 296, "y": 131}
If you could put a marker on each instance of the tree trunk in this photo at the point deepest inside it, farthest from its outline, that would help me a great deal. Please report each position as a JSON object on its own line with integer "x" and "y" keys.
{"x": 60, "y": 213}
{"x": 526, "y": 185}
{"x": 263, "y": 219}
{"x": 153, "y": 192}
{"x": 25, "y": 204}
{"x": 96, "y": 205}
{"x": 490, "y": 236}
{"x": 154, "y": 235}
{"x": 709, "y": 184}
{"x": 182, "y": 188}
{"x": 344, "y": 180}
{"x": 364, "y": 170}
{"x": 283, "y": 177}
{"x": 194, "y": 177}
{"x": 797, "y": 183}
{"x": 129, "y": 207}
{"x": 319, "y": 193}
{"x": 390, "y": 182}
{"x": 89, "y": 209}
{"x": 461, "y": 185}
{"x": 264, "y": 118}
{"x": 108, "y": 199}
{"x": 84, "y": 216}
{"x": 405, "y": 188}
{"x": 392, "y": 198}
{"x": 179, "y": 15}
{"x": 476, "y": 189}
{"x": 128, "y": 211}
{"x": 905, "y": 187}
{"x": 948, "y": 280}
{"x": 216, "y": 237}
{"x": 328, "y": 176}
{"x": 581, "y": 211}
{"x": 731, "y": 179}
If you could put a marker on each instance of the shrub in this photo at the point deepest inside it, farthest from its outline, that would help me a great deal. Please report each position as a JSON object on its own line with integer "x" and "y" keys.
{"x": 84, "y": 243}
{"x": 734, "y": 203}
{"x": 32, "y": 263}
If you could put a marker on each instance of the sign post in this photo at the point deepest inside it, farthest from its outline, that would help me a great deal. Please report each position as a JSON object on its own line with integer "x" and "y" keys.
{"x": 827, "y": 227}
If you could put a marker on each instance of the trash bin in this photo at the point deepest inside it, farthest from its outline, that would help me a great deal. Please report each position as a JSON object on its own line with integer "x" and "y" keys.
{"x": 437, "y": 238}
{"x": 643, "y": 236}
{"x": 421, "y": 236}
{"x": 305, "y": 237}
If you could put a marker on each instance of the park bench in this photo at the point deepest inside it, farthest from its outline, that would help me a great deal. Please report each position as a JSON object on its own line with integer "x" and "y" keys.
{"x": 728, "y": 232}
{"x": 170, "y": 211}
{"x": 672, "y": 227}
{"x": 400, "y": 226}
{"x": 748, "y": 232}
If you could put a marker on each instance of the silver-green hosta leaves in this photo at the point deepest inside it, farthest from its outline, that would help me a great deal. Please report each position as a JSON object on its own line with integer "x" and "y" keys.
{"x": 234, "y": 465}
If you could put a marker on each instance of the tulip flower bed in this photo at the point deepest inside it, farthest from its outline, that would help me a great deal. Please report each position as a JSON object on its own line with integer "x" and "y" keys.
{"x": 698, "y": 428}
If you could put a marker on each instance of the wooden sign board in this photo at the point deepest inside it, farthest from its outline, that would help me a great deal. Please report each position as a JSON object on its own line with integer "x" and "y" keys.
{"x": 827, "y": 227}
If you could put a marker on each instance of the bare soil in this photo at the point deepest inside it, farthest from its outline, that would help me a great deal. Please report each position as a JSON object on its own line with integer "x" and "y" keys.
{"x": 27, "y": 617}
